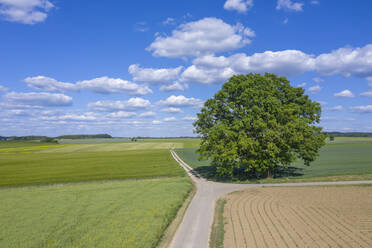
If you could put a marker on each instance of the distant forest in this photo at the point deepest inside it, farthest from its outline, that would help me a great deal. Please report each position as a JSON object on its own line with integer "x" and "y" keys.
{"x": 351, "y": 134}
{"x": 107, "y": 136}
{"x": 85, "y": 136}
{"x": 76, "y": 136}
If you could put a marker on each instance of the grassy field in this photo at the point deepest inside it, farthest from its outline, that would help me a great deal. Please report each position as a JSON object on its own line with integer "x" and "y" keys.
{"x": 97, "y": 214}
{"x": 343, "y": 159}
{"x": 31, "y": 163}
{"x": 97, "y": 207}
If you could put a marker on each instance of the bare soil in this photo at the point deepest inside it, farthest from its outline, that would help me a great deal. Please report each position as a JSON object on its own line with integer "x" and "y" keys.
{"x": 322, "y": 216}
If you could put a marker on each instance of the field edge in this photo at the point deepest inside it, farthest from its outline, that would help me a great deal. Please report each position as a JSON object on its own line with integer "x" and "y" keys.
{"x": 172, "y": 228}
{"x": 218, "y": 227}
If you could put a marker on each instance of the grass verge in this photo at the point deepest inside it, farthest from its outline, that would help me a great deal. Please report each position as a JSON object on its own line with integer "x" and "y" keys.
{"x": 218, "y": 231}
{"x": 169, "y": 233}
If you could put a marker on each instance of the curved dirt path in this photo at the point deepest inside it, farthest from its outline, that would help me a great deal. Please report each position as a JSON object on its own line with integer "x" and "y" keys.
{"x": 194, "y": 231}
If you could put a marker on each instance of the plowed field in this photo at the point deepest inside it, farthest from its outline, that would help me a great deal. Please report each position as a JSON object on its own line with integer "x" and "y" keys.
{"x": 299, "y": 217}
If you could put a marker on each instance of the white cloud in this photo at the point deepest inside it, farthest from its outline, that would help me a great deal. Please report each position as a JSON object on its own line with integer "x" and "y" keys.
{"x": 189, "y": 118}
{"x": 315, "y": 2}
{"x": 181, "y": 101}
{"x": 110, "y": 106}
{"x": 289, "y": 5}
{"x": 156, "y": 122}
{"x": 302, "y": 85}
{"x": 362, "y": 109}
{"x": 167, "y": 119}
{"x": 150, "y": 75}
{"x": 71, "y": 117}
{"x": 122, "y": 114}
{"x": 217, "y": 69}
{"x": 172, "y": 110}
{"x": 346, "y": 62}
{"x": 318, "y": 80}
{"x": 366, "y": 94}
{"x": 106, "y": 85}
{"x": 205, "y": 75}
{"x": 208, "y": 35}
{"x": 314, "y": 89}
{"x": 323, "y": 103}
{"x": 25, "y": 11}
{"x": 3, "y": 89}
{"x": 337, "y": 119}
{"x": 345, "y": 94}
{"x": 211, "y": 69}
{"x": 147, "y": 114}
{"x": 173, "y": 87}
{"x": 38, "y": 99}
{"x": 238, "y": 5}
{"x": 141, "y": 27}
{"x": 285, "y": 21}
{"x": 335, "y": 108}
{"x": 49, "y": 84}
{"x": 169, "y": 21}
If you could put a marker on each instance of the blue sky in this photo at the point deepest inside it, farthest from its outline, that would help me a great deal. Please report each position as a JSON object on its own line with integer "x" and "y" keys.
{"x": 131, "y": 68}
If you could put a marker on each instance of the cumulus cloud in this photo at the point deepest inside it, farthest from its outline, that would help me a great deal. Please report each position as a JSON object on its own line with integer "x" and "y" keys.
{"x": 208, "y": 35}
{"x": 362, "y": 109}
{"x": 211, "y": 69}
{"x": 366, "y": 94}
{"x": 189, "y": 118}
{"x": 122, "y": 114}
{"x": 38, "y": 99}
{"x": 71, "y": 117}
{"x": 49, "y": 84}
{"x": 3, "y": 89}
{"x": 174, "y": 87}
{"x": 25, "y": 11}
{"x": 335, "y": 108}
{"x": 167, "y": 119}
{"x": 172, "y": 110}
{"x": 315, "y": 2}
{"x": 289, "y": 5}
{"x": 181, "y": 101}
{"x": 344, "y": 94}
{"x": 238, "y": 5}
{"x": 318, "y": 80}
{"x": 314, "y": 89}
{"x": 302, "y": 85}
{"x": 103, "y": 85}
{"x": 346, "y": 62}
{"x": 147, "y": 114}
{"x": 150, "y": 75}
{"x": 169, "y": 21}
{"x": 156, "y": 122}
{"x": 111, "y": 106}
{"x": 106, "y": 85}
{"x": 337, "y": 119}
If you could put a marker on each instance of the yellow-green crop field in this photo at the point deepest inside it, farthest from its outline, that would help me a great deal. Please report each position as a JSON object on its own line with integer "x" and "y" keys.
{"x": 121, "y": 194}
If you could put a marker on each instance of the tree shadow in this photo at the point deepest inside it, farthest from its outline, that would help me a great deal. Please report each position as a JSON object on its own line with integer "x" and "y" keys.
{"x": 210, "y": 173}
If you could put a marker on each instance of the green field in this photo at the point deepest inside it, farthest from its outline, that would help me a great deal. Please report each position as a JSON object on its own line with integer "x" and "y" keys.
{"x": 343, "y": 159}
{"x": 108, "y": 214}
{"x": 21, "y": 164}
{"x": 79, "y": 195}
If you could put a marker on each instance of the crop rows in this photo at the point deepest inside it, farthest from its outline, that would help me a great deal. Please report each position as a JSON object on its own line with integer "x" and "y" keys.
{"x": 300, "y": 217}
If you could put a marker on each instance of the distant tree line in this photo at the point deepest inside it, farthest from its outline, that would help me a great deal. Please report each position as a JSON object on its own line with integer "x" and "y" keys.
{"x": 85, "y": 136}
{"x": 350, "y": 134}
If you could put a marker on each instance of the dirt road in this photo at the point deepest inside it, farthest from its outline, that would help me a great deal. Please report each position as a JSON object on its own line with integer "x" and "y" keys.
{"x": 194, "y": 231}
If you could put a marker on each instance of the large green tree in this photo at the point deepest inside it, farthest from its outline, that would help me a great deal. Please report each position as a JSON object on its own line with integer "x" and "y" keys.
{"x": 258, "y": 123}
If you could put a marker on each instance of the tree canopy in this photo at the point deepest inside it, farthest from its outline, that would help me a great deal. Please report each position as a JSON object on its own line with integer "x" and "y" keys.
{"x": 258, "y": 123}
